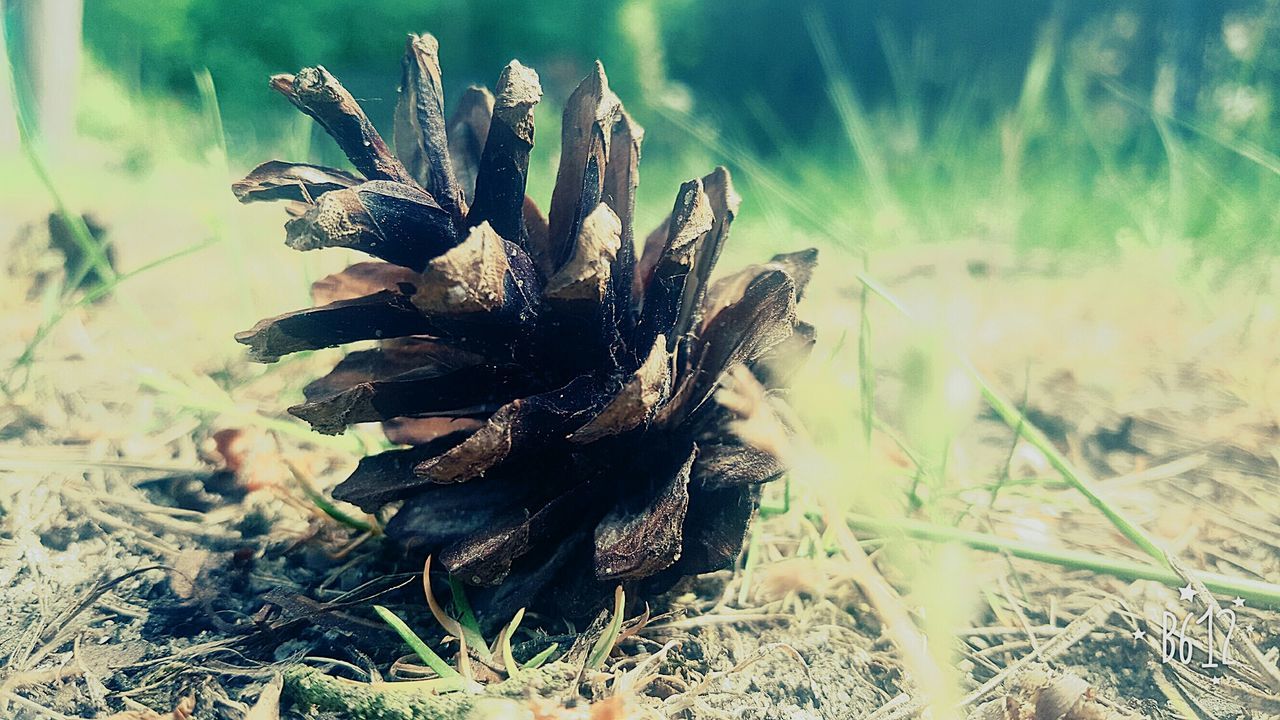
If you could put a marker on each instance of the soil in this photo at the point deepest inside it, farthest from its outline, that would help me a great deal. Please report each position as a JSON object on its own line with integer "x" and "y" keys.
{"x": 143, "y": 570}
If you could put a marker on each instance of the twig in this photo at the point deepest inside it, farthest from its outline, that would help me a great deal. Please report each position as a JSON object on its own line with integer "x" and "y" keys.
{"x": 1070, "y": 635}
{"x": 33, "y": 706}
{"x": 685, "y": 700}
{"x": 705, "y": 620}
{"x": 897, "y": 620}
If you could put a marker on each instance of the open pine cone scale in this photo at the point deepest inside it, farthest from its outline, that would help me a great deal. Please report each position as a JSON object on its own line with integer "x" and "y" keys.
{"x": 559, "y": 394}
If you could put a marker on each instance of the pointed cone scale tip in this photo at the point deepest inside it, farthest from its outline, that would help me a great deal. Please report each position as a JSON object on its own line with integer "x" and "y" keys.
{"x": 518, "y": 86}
{"x": 424, "y": 41}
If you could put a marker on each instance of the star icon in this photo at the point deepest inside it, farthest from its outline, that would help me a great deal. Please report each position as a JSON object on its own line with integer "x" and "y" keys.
{"x": 1217, "y": 681}
{"x": 1139, "y": 634}
{"x": 1187, "y": 593}
{"x": 1238, "y": 602}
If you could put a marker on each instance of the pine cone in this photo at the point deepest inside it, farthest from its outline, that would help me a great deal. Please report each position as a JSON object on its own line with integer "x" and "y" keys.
{"x": 559, "y": 394}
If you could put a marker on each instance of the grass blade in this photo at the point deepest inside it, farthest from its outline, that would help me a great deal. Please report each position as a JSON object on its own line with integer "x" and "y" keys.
{"x": 866, "y": 370}
{"x": 1012, "y": 417}
{"x": 451, "y": 626}
{"x": 853, "y": 117}
{"x": 1082, "y": 482}
{"x": 1256, "y": 591}
{"x": 204, "y": 396}
{"x": 325, "y": 505}
{"x": 600, "y": 651}
{"x": 541, "y": 658}
{"x": 426, "y": 654}
{"x": 467, "y": 618}
{"x": 504, "y": 643}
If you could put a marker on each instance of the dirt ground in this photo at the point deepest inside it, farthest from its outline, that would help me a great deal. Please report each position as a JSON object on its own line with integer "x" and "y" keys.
{"x": 145, "y": 570}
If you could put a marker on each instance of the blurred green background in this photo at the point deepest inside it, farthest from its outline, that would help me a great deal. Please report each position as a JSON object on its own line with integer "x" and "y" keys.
{"x": 1059, "y": 124}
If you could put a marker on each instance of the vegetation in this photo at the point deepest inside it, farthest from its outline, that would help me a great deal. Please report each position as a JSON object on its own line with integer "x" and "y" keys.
{"x": 1045, "y": 310}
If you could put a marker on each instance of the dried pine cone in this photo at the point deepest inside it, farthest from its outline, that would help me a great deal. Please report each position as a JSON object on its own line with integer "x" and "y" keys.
{"x": 559, "y": 394}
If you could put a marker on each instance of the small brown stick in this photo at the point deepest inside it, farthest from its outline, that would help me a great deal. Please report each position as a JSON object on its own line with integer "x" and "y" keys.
{"x": 1002, "y": 630}
{"x": 142, "y": 537}
{"x": 903, "y": 706}
{"x": 1017, "y": 611}
{"x": 897, "y": 620}
{"x": 708, "y": 620}
{"x": 1229, "y": 688}
{"x": 32, "y": 705}
{"x": 1163, "y": 471}
{"x": 27, "y": 678}
{"x": 1180, "y": 702}
{"x": 1073, "y": 633}
{"x": 640, "y": 676}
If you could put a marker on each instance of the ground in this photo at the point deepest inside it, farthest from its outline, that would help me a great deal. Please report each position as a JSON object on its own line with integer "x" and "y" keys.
{"x": 149, "y": 561}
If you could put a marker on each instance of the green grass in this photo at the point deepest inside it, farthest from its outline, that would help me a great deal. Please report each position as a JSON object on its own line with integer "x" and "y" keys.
{"x": 1261, "y": 593}
{"x": 415, "y": 643}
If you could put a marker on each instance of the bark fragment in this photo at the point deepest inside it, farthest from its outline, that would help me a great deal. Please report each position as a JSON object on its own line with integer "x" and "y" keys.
{"x": 691, "y": 219}
{"x": 586, "y": 276}
{"x": 388, "y": 476}
{"x": 732, "y": 464}
{"x": 485, "y": 277}
{"x": 415, "y": 431}
{"x": 638, "y": 401}
{"x": 777, "y": 366}
{"x": 716, "y": 528}
{"x": 724, "y": 202}
{"x": 365, "y": 278}
{"x": 384, "y": 314}
{"x": 729, "y": 289}
{"x": 741, "y": 333}
{"x": 522, "y": 423}
{"x": 622, "y": 176}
